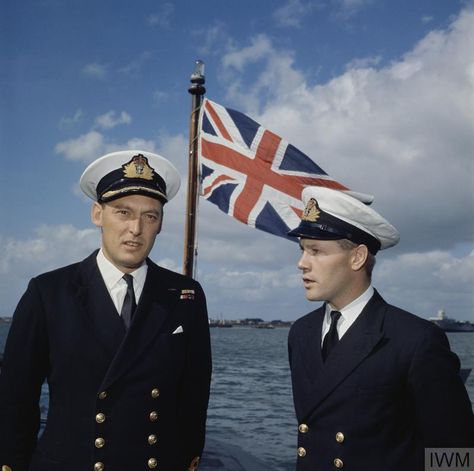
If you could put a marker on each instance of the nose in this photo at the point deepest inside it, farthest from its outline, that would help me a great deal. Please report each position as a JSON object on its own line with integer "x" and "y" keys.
{"x": 302, "y": 262}
{"x": 136, "y": 226}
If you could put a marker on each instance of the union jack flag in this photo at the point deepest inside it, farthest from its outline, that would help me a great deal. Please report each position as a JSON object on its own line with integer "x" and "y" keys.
{"x": 252, "y": 174}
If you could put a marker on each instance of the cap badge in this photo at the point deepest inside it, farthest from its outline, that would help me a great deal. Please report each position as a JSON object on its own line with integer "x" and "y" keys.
{"x": 311, "y": 211}
{"x": 138, "y": 168}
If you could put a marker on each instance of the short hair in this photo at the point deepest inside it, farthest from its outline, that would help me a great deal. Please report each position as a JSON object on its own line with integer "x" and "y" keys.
{"x": 347, "y": 244}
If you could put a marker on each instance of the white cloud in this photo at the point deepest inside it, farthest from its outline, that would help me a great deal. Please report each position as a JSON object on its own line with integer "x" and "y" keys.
{"x": 93, "y": 144}
{"x": 135, "y": 143}
{"x": 292, "y": 13}
{"x": 160, "y": 96}
{"x": 134, "y": 67}
{"x": 50, "y": 245}
{"x": 96, "y": 70}
{"x": 85, "y": 147}
{"x": 427, "y": 282}
{"x": 211, "y": 36}
{"x": 363, "y": 63}
{"x": 253, "y": 286}
{"x": 162, "y": 17}
{"x": 276, "y": 73}
{"x": 348, "y": 8}
{"x": 260, "y": 47}
{"x": 49, "y": 248}
{"x": 112, "y": 119}
{"x": 170, "y": 264}
{"x": 69, "y": 121}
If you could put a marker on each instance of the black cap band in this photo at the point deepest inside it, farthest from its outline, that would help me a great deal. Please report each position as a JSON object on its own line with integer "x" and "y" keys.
{"x": 329, "y": 227}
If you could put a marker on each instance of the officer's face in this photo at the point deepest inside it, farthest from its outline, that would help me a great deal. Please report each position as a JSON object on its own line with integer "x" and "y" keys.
{"x": 129, "y": 227}
{"x": 328, "y": 272}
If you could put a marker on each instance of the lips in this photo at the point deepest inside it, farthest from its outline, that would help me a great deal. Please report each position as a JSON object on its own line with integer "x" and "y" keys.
{"x": 132, "y": 244}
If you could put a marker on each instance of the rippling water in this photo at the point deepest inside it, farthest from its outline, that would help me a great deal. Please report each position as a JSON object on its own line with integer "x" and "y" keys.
{"x": 251, "y": 403}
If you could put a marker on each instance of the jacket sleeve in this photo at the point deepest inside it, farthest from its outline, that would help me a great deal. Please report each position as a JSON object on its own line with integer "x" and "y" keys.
{"x": 22, "y": 374}
{"x": 443, "y": 409}
{"x": 195, "y": 385}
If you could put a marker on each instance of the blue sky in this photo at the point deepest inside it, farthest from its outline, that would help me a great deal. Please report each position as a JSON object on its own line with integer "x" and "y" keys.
{"x": 379, "y": 93}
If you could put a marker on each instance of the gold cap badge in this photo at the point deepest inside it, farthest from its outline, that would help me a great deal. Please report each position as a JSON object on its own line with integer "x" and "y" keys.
{"x": 311, "y": 212}
{"x": 138, "y": 168}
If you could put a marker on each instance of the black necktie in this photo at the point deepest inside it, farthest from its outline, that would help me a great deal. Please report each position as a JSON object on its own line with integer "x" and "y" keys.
{"x": 129, "y": 303}
{"x": 331, "y": 337}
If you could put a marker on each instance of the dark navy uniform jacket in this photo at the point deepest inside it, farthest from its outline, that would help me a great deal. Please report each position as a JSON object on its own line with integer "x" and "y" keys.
{"x": 119, "y": 401}
{"x": 389, "y": 388}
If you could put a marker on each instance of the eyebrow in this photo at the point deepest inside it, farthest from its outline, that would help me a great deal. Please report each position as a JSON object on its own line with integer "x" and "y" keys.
{"x": 313, "y": 243}
{"x": 129, "y": 208}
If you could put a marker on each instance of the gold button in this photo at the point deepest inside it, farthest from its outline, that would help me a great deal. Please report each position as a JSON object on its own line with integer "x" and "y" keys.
{"x": 303, "y": 428}
{"x": 152, "y": 439}
{"x": 100, "y": 418}
{"x": 103, "y": 395}
{"x": 301, "y": 452}
{"x": 6, "y": 468}
{"x": 152, "y": 463}
{"x": 153, "y": 416}
{"x": 155, "y": 393}
{"x": 99, "y": 466}
{"x": 338, "y": 463}
{"x": 99, "y": 442}
{"x": 339, "y": 437}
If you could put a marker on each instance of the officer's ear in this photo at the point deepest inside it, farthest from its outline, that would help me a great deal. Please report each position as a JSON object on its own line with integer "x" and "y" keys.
{"x": 161, "y": 208}
{"x": 359, "y": 257}
{"x": 96, "y": 214}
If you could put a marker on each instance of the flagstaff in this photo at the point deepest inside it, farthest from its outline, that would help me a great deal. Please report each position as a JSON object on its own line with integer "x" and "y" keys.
{"x": 197, "y": 90}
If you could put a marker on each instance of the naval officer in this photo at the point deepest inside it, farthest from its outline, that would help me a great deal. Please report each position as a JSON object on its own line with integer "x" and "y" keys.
{"x": 123, "y": 343}
{"x": 373, "y": 385}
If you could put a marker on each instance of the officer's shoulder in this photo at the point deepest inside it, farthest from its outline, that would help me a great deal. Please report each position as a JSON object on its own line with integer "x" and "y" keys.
{"x": 57, "y": 274}
{"x": 306, "y": 321}
{"x": 411, "y": 324}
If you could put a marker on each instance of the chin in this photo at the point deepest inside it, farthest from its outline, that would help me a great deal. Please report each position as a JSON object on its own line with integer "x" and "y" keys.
{"x": 313, "y": 297}
{"x": 132, "y": 263}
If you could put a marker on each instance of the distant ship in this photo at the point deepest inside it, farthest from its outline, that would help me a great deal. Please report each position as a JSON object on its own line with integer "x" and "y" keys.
{"x": 451, "y": 325}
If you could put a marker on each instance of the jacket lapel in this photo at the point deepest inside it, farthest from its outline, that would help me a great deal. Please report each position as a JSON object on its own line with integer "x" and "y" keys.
{"x": 99, "y": 313}
{"x": 312, "y": 343}
{"x": 357, "y": 343}
{"x": 156, "y": 303}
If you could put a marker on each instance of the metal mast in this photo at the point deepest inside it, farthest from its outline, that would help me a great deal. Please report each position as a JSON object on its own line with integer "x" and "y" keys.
{"x": 197, "y": 90}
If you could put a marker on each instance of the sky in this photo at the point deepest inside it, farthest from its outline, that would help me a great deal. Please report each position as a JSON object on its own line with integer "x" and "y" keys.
{"x": 379, "y": 93}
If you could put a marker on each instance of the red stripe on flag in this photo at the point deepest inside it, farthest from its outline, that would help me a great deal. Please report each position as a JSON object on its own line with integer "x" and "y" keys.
{"x": 218, "y": 180}
{"x": 258, "y": 173}
{"x": 253, "y": 186}
{"x": 217, "y": 121}
{"x": 297, "y": 211}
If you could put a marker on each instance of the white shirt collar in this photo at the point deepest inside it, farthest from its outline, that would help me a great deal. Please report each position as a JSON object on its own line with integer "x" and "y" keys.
{"x": 349, "y": 313}
{"x": 354, "y": 308}
{"x": 112, "y": 275}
